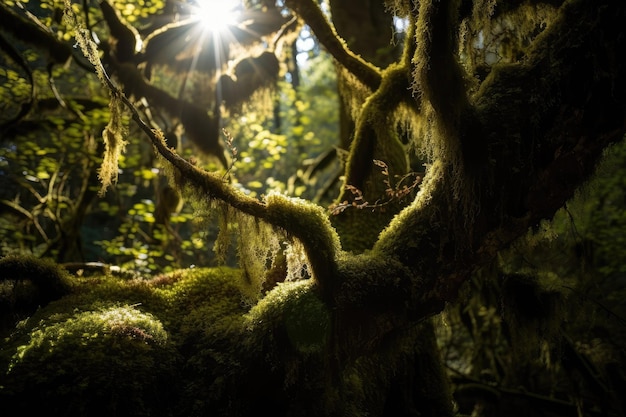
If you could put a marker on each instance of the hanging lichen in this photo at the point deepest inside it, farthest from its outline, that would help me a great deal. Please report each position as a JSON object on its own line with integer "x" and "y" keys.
{"x": 439, "y": 80}
{"x": 113, "y": 134}
{"x": 353, "y": 92}
{"x": 262, "y": 249}
{"x": 298, "y": 266}
{"x": 258, "y": 244}
{"x": 114, "y": 145}
{"x": 224, "y": 234}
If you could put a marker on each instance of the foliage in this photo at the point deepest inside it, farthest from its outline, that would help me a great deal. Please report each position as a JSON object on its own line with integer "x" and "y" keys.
{"x": 133, "y": 236}
{"x": 284, "y": 142}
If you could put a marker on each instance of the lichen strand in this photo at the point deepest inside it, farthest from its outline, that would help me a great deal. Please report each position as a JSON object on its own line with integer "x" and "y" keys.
{"x": 309, "y": 224}
{"x": 504, "y": 30}
{"x": 83, "y": 38}
{"x": 114, "y": 145}
{"x": 353, "y": 92}
{"x": 297, "y": 218}
{"x": 258, "y": 244}
{"x": 399, "y": 8}
{"x": 113, "y": 134}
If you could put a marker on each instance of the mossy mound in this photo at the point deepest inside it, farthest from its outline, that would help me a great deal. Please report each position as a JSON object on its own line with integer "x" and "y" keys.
{"x": 112, "y": 361}
{"x": 121, "y": 347}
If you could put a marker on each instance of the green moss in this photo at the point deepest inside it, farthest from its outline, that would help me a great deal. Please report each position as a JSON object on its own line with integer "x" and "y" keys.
{"x": 136, "y": 345}
{"x": 375, "y": 136}
{"x": 187, "y": 343}
{"x": 43, "y": 273}
{"x": 121, "y": 350}
{"x": 373, "y": 282}
{"x": 295, "y": 308}
{"x": 406, "y": 236}
{"x": 205, "y": 296}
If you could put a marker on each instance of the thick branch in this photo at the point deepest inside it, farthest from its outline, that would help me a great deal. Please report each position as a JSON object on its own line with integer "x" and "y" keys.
{"x": 438, "y": 74}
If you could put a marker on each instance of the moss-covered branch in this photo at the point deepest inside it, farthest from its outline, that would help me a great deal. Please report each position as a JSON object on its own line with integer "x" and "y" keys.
{"x": 310, "y": 11}
{"x": 438, "y": 75}
{"x": 375, "y": 119}
{"x": 298, "y": 219}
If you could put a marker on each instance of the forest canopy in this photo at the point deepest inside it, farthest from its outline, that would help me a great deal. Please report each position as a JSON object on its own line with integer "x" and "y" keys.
{"x": 387, "y": 208}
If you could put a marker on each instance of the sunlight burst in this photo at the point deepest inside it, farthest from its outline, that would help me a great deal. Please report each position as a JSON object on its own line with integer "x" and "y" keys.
{"x": 217, "y": 15}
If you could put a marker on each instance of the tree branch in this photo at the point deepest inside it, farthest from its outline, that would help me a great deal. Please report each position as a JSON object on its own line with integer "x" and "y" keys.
{"x": 310, "y": 11}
